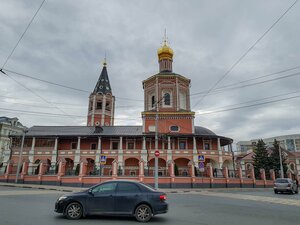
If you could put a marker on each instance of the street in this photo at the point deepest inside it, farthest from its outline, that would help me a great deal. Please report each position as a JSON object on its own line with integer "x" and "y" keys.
{"x": 26, "y": 206}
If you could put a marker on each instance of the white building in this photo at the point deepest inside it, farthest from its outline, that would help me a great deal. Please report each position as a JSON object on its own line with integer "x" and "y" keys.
{"x": 289, "y": 142}
{"x": 8, "y": 126}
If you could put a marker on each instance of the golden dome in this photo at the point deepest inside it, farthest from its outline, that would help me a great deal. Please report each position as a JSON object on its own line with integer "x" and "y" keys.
{"x": 165, "y": 52}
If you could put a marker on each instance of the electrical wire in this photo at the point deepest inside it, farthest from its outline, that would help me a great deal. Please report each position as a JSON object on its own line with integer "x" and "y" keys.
{"x": 248, "y": 106}
{"x": 246, "y": 53}
{"x": 21, "y": 37}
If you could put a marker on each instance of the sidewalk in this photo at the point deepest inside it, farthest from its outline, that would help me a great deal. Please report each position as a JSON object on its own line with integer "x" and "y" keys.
{"x": 77, "y": 189}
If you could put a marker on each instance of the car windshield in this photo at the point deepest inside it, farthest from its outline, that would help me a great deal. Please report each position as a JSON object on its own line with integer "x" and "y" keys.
{"x": 282, "y": 181}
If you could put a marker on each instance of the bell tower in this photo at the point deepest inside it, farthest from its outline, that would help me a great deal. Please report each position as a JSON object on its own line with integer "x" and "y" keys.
{"x": 167, "y": 98}
{"x": 101, "y": 102}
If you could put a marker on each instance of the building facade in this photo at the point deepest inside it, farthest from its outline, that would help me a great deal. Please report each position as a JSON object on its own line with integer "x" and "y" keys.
{"x": 128, "y": 150}
{"x": 289, "y": 142}
{"x": 8, "y": 126}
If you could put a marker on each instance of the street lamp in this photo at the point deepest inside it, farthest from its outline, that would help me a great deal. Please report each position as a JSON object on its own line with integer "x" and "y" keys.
{"x": 20, "y": 154}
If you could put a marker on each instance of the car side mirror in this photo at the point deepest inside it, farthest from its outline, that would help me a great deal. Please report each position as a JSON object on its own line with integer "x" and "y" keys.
{"x": 90, "y": 191}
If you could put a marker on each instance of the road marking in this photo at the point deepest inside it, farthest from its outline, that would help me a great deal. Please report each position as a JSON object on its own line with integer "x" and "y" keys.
{"x": 27, "y": 192}
{"x": 274, "y": 200}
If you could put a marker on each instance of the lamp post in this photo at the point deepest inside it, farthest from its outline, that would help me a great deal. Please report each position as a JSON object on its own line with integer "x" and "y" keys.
{"x": 20, "y": 155}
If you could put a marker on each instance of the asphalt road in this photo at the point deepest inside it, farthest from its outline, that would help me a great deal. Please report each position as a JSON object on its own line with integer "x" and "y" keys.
{"x": 19, "y": 206}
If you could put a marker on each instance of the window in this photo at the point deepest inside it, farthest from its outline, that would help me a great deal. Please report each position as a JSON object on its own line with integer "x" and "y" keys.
{"x": 91, "y": 105}
{"x": 107, "y": 107}
{"x": 74, "y": 145}
{"x": 167, "y": 99}
{"x": 93, "y": 146}
{"x": 182, "y": 99}
{"x": 206, "y": 146}
{"x": 44, "y": 143}
{"x": 182, "y": 145}
{"x": 99, "y": 105}
{"x": 130, "y": 145}
{"x": 105, "y": 188}
{"x": 153, "y": 101}
{"x": 174, "y": 128}
{"x": 115, "y": 145}
{"x": 127, "y": 188}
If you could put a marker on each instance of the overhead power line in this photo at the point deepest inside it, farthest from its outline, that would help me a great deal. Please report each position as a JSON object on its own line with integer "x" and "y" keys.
{"x": 217, "y": 91}
{"x": 248, "y": 106}
{"x": 27, "y": 27}
{"x": 246, "y": 53}
{"x": 245, "y": 81}
{"x": 61, "y": 85}
{"x": 256, "y": 100}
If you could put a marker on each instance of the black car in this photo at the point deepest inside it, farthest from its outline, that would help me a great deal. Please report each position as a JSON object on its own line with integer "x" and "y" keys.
{"x": 118, "y": 197}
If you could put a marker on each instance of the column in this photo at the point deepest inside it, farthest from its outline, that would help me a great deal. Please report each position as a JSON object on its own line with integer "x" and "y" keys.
{"x": 54, "y": 153}
{"x": 77, "y": 154}
{"x": 31, "y": 155}
{"x": 103, "y": 111}
{"x": 195, "y": 152}
{"x": 98, "y": 152}
{"x": 169, "y": 150}
{"x": 144, "y": 150}
{"x": 220, "y": 154}
{"x": 93, "y": 111}
{"x": 120, "y": 155}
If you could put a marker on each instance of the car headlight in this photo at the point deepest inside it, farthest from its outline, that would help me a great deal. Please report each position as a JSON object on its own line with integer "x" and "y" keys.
{"x": 62, "y": 198}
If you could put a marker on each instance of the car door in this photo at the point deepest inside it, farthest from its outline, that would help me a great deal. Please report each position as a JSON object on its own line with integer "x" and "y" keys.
{"x": 101, "y": 198}
{"x": 127, "y": 196}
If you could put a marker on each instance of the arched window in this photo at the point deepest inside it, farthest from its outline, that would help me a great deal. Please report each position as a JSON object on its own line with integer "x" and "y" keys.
{"x": 153, "y": 101}
{"x": 167, "y": 99}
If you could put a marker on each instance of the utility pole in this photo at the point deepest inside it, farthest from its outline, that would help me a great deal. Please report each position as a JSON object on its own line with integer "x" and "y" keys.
{"x": 20, "y": 155}
{"x": 281, "y": 167}
{"x": 156, "y": 148}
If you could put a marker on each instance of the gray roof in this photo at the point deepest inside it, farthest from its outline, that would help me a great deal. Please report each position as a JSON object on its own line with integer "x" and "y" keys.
{"x": 100, "y": 131}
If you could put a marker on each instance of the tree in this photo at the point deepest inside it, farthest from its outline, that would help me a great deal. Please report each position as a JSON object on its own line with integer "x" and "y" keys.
{"x": 176, "y": 170}
{"x": 261, "y": 158}
{"x": 275, "y": 159}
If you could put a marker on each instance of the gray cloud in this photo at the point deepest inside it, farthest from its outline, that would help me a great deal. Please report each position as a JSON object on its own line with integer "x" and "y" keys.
{"x": 68, "y": 40}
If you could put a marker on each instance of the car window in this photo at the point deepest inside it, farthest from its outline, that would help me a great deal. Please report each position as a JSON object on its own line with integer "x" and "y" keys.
{"x": 105, "y": 188}
{"x": 127, "y": 188}
{"x": 281, "y": 181}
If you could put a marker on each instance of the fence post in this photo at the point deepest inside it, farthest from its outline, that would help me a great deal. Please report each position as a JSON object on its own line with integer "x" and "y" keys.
{"x": 272, "y": 175}
{"x": 262, "y": 174}
{"x": 114, "y": 169}
{"x": 252, "y": 175}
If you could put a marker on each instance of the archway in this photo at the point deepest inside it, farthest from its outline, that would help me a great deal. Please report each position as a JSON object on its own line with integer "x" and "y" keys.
{"x": 181, "y": 167}
{"x": 107, "y": 167}
{"x": 69, "y": 166}
{"x": 90, "y": 170}
{"x": 131, "y": 167}
{"x": 36, "y": 167}
{"x": 162, "y": 167}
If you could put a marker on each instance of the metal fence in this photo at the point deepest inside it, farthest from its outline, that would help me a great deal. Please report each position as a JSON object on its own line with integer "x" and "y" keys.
{"x": 218, "y": 173}
{"x": 149, "y": 171}
{"x": 233, "y": 174}
{"x": 52, "y": 170}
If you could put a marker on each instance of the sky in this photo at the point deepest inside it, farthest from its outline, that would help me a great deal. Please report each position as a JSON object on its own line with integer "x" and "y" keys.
{"x": 68, "y": 40}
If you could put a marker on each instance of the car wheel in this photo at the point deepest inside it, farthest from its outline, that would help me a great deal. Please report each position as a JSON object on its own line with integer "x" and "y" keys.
{"x": 297, "y": 191}
{"x": 143, "y": 213}
{"x": 275, "y": 191}
{"x": 73, "y": 211}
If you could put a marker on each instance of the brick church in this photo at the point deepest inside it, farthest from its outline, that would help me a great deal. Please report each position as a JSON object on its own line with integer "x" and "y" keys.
{"x": 71, "y": 154}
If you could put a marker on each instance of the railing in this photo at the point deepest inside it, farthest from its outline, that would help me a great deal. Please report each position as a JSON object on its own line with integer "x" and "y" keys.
{"x": 218, "y": 173}
{"x": 52, "y": 170}
{"x": 72, "y": 172}
{"x": 162, "y": 171}
{"x": 233, "y": 174}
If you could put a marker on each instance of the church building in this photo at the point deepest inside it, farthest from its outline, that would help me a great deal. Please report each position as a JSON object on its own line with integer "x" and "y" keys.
{"x": 83, "y": 155}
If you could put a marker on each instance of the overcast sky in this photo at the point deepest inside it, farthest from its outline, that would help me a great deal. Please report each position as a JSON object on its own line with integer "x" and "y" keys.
{"x": 67, "y": 42}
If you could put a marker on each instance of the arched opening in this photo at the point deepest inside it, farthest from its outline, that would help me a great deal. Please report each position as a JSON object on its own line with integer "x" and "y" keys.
{"x": 36, "y": 168}
{"x": 153, "y": 101}
{"x": 69, "y": 166}
{"x": 181, "y": 167}
{"x": 131, "y": 167}
{"x": 229, "y": 164}
{"x": 162, "y": 168}
{"x": 90, "y": 170}
{"x": 106, "y": 169}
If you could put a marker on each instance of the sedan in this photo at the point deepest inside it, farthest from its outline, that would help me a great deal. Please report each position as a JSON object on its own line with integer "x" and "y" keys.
{"x": 118, "y": 197}
{"x": 285, "y": 185}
